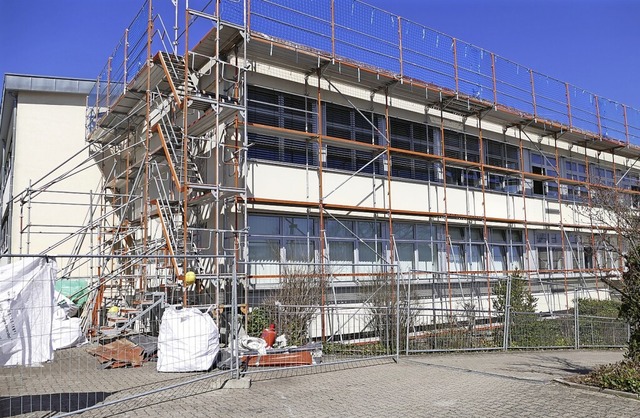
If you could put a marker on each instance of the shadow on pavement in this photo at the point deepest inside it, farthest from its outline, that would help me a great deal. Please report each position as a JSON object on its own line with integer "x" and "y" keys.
{"x": 57, "y": 402}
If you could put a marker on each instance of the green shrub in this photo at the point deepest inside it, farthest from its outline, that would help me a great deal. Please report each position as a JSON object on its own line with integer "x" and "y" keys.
{"x": 257, "y": 321}
{"x": 592, "y": 307}
{"x": 624, "y": 376}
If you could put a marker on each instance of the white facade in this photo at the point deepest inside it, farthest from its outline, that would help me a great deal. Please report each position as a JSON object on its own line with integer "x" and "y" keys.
{"x": 47, "y": 174}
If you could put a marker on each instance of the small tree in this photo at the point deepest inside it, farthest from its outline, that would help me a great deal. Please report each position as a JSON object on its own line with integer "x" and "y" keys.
{"x": 619, "y": 212}
{"x": 630, "y": 308}
{"x": 387, "y": 307}
{"x": 293, "y": 305}
{"x": 521, "y": 299}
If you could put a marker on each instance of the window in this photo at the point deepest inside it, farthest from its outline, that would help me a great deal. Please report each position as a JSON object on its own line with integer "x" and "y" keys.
{"x": 630, "y": 180}
{"x": 264, "y": 256}
{"x": 418, "y": 245}
{"x": 347, "y": 123}
{"x": 411, "y": 136}
{"x": 4, "y": 234}
{"x": 276, "y": 239}
{"x": 415, "y": 137}
{"x": 575, "y": 170}
{"x": 467, "y": 249}
{"x": 549, "y": 249}
{"x": 461, "y": 146}
{"x": 503, "y": 183}
{"x": 356, "y": 244}
{"x": 281, "y": 110}
{"x": 546, "y": 166}
{"x": 300, "y": 251}
{"x": 506, "y": 249}
{"x": 463, "y": 177}
{"x": 601, "y": 175}
{"x": 414, "y": 168}
{"x": 606, "y": 252}
{"x": 581, "y": 251}
{"x": 499, "y": 154}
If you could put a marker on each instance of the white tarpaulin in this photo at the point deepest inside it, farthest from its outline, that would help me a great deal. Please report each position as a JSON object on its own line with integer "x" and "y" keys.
{"x": 66, "y": 331}
{"x": 188, "y": 340}
{"x": 26, "y": 312}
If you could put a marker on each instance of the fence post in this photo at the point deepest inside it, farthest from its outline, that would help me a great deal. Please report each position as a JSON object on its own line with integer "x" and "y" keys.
{"x": 235, "y": 355}
{"x": 507, "y": 316}
{"x": 398, "y": 308}
{"x": 408, "y": 321}
{"x": 576, "y": 320}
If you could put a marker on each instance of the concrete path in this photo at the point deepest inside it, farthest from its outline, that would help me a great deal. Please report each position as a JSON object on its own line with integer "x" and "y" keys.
{"x": 515, "y": 384}
{"x": 496, "y": 384}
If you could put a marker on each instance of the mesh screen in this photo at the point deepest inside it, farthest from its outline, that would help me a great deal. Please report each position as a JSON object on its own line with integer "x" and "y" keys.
{"x": 551, "y": 98}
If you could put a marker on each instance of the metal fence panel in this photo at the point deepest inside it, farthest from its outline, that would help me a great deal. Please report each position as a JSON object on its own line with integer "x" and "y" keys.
{"x": 445, "y": 330}
{"x": 595, "y": 331}
{"x": 535, "y": 330}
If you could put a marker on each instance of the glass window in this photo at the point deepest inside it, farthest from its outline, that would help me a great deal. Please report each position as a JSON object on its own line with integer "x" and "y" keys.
{"x": 457, "y": 261}
{"x": 370, "y": 252}
{"x": 546, "y": 166}
{"x": 264, "y": 256}
{"x": 281, "y": 110}
{"x": 369, "y": 229}
{"x": 500, "y": 260}
{"x": 425, "y": 232}
{"x": 264, "y": 225}
{"x": 300, "y": 251}
{"x": 341, "y": 229}
{"x": 476, "y": 260}
{"x": 341, "y": 256}
{"x": 299, "y": 226}
{"x": 426, "y": 259}
{"x": 402, "y": 231}
{"x": 601, "y": 175}
{"x": 341, "y": 251}
{"x": 406, "y": 256}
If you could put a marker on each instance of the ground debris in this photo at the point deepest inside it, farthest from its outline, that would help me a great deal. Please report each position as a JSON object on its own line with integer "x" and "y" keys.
{"x": 119, "y": 353}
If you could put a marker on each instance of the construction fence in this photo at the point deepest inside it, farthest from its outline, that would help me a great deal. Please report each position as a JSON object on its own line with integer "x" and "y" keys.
{"x": 72, "y": 343}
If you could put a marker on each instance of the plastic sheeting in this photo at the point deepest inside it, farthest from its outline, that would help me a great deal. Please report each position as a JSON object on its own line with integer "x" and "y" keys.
{"x": 26, "y": 312}
{"x": 188, "y": 340}
{"x": 66, "y": 331}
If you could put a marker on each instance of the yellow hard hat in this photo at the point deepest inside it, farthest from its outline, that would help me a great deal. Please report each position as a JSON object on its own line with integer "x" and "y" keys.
{"x": 190, "y": 278}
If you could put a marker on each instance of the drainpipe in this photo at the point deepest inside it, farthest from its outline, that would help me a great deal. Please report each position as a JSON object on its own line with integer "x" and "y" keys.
{"x": 14, "y": 112}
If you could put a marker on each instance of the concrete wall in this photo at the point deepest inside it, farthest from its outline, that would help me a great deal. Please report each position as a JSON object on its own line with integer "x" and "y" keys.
{"x": 50, "y": 128}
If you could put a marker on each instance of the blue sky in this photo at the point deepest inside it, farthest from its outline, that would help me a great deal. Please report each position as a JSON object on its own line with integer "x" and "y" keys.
{"x": 592, "y": 44}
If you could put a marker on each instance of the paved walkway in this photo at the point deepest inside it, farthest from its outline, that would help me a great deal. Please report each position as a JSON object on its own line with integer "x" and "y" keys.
{"x": 514, "y": 384}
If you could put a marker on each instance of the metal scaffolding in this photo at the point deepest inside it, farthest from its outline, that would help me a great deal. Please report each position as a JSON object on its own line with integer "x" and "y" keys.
{"x": 172, "y": 135}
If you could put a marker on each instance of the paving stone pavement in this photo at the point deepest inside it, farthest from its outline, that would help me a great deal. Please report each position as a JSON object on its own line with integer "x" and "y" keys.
{"x": 496, "y": 384}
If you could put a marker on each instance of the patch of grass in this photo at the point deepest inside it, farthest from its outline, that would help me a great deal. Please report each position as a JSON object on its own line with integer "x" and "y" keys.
{"x": 623, "y": 376}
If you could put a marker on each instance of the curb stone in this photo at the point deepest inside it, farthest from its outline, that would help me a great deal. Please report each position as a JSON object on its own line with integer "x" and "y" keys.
{"x": 597, "y": 389}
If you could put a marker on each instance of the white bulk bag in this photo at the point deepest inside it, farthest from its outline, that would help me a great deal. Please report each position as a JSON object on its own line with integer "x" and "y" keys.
{"x": 26, "y": 312}
{"x": 188, "y": 340}
{"x": 66, "y": 332}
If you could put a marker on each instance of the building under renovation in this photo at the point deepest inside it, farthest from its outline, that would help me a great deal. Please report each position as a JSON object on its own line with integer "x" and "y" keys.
{"x": 272, "y": 140}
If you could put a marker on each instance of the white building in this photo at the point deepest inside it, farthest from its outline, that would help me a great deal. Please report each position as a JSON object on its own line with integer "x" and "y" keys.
{"x": 343, "y": 139}
{"x": 42, "y": 133}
